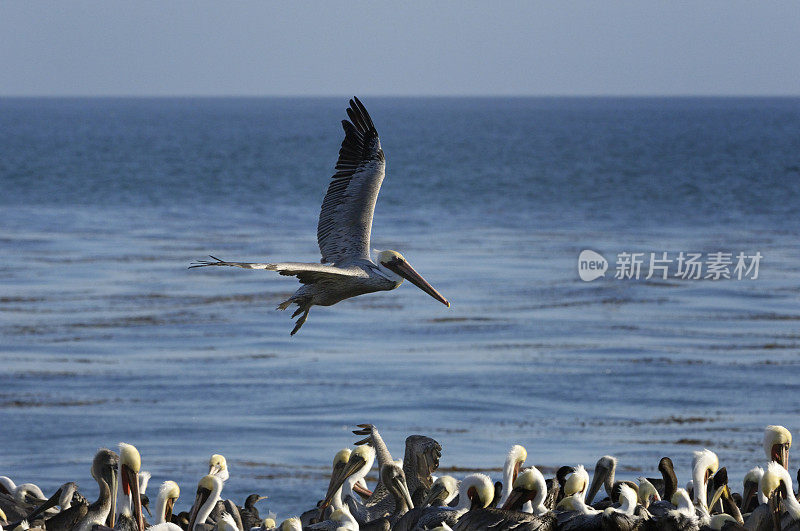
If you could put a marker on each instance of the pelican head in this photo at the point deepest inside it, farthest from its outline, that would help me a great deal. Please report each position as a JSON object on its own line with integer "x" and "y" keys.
{"x": 705, "y": 464}
{"x": 393, "y": 477}
{"x": 750, "y": 489}
{"x": 777, "y": 441}
{"x": 627, "y": 499}
{"x": 603, "y": 475}
{"x": 529, "y": 486}
{"x": 208, "y": 487}
{"x": 167, "y": 494}
{"x": 347, "y": 463}
{"x": 577, "y": 482}
{"x": 476, "y": 491}
{"x": 647, "y": 492}
{"x": 395, "y": 263}
{"x": 777, "y": 478}
{"x": 514, "y": 460}
{"x": 218, "y": 466}
{"x": 683, "y": 502}
{"x": 443, "y": 491}
{"x": 105, "y": 467}
{"x": 130, "y": 463}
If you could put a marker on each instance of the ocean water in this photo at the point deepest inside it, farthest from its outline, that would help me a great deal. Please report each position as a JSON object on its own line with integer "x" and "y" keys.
{"x": 106, "y": 336}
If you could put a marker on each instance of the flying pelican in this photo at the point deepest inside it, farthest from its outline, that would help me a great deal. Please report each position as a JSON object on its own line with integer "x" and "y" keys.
{"x": 343, "y": 231}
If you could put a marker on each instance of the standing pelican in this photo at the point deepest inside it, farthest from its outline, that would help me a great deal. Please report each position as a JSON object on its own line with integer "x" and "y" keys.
{"x": 343, "y": 231}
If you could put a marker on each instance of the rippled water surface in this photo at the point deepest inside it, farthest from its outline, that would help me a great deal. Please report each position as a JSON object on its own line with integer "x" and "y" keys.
{"x": 105, "y": 336}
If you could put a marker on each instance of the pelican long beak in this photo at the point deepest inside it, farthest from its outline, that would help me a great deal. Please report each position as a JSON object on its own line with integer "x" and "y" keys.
{"x": 114, "y": 487}
{"x": 130, "y": 486}
{"x": 748, "y": 494}
{"x": 517, "y": 497}
{"x": 168, "y": 510}
{"x": 717, "y": 495}
{"x": 361, "y": 491}
{"x": 214, "y": 469}
{"x": 780, "y": 453}
{"x": 52, "y": 501}
{"x": 403, "y": 488}
{"x": 404, "y": 269}
{"x": 436, "y": 490}
{"x": 599, "y": 478}
{"x": 338, "y": 478}
{"x": 200, "y": 499}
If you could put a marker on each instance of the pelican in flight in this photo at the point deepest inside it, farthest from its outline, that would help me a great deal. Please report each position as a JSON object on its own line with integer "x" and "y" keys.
{"x": 343, "y": 232}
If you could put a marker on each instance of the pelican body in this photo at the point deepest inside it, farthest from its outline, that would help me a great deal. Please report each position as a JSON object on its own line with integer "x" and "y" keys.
{"x": 343, "y": 231}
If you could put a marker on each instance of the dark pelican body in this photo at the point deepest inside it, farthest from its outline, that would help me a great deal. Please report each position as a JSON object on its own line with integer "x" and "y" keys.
{"x": 491, "y": 518}
{"x": 343, "y": 231}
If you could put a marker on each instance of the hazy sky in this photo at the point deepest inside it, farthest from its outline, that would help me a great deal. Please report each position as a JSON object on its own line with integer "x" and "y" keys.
{"x": 291, "y": 47}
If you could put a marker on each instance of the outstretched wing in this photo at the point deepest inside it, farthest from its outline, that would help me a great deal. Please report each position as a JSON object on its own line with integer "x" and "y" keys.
{"x": 345, "y": 221}
{"x": 305, "y": 273}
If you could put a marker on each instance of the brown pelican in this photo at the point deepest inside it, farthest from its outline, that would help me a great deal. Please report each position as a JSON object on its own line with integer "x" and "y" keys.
{"x": 218, "y": 466}
{"x": 603, "y": 475}
{"x": 104, "y": 471}
{"x": 208, "y": 492}
{"x": 705, "y": 464}
{"x": 777, "y": 441}
{"x": 343, "y": 231}
{"x": 345, "y": 467}
{"x": 167, "y": 494}
{"x": 777, "y": 478}
{"x": 514, "y": 460}
{"x": 349, "y": 468}
{"x": 529, "y": 488}
{"x": 130, "y": 506}
{"x": 394, "y": 479}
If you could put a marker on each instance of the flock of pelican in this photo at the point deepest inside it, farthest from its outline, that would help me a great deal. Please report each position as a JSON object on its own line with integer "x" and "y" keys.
{"x": 407, "y": 497}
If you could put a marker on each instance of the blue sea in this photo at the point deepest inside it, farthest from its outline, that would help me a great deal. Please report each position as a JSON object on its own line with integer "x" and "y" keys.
{"x": 106, "y": 336}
